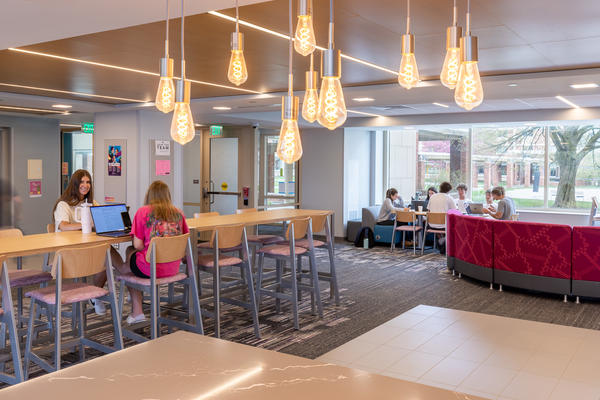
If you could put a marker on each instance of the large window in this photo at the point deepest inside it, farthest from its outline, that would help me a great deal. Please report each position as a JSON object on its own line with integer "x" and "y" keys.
{"x": 279, "y": 187}
{"x": 539, "y": 165}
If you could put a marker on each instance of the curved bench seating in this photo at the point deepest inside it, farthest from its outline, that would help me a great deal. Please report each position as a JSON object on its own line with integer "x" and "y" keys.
{"x": 544, "y": 257}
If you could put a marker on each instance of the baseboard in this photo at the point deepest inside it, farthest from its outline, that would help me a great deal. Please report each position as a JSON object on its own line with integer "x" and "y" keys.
{"x": 473, "y": 270}
{"x": 586, "y": 288}
{"x": 532, "y": 282}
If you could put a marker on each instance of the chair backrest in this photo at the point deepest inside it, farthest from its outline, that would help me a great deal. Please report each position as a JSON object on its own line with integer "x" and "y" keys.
{"x": 436, "y": 218}
{"x": 167, "y": 248}
{"x": 229, "y": 236}
{"x": 246, "y": 210}
{"x": 10, "y": 233}
{"x": 206, "y": 214}
{"x": 300, "y": 228}
{"x": 318, "y": 223}
{"x": 405, "y": 216}
{"x": 593, "y": 210}
{"x": 81, "y": 261}
{"x": 50, "y": 228}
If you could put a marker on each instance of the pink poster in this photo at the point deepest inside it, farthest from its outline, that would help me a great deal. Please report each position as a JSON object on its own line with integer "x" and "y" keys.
{"x": 35, "y": 188}
{"x": 163, "y": 167}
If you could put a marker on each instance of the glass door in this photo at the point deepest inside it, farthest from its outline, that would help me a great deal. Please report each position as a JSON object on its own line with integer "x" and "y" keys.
{"x": 77, "y": 153}
{"x": 278, "y": 187}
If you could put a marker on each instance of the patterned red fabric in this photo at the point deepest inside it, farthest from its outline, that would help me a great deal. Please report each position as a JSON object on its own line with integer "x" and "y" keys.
{"x": 586, "y": 253}
{"x": 71, "y": 293}
{"x": 471, "y": 239}
{"x": 533, "y": 248}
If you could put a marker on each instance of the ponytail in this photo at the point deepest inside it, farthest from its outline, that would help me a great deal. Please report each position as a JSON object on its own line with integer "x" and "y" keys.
{"x": 390, "y": 192}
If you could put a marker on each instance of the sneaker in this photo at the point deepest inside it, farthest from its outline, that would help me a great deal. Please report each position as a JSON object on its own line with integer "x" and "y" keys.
{"x": 134, "y": 320}
{"x": 98, "y": 306}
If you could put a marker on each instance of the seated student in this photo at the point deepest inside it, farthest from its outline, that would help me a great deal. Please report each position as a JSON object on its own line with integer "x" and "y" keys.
{"x": 489, "y": 199}
{"x": 462, "y": 201}
{"x": 157, "y": 218}
{"x": 392, "y": 203}
{"x": 440, "y": 203}
{"x": 506, "y": 206}
{"x": 430, "y": 192}
{"x": 79, "y": 190}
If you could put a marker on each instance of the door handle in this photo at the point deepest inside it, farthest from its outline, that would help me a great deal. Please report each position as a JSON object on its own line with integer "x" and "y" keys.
{"x": 238, "y": 194}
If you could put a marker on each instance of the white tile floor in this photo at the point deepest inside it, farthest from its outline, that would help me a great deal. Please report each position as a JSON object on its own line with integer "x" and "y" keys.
{"x": 483, "y": 355}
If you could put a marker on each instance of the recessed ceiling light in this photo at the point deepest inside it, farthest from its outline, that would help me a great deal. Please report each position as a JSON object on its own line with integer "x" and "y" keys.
{"x": 61, "y": 106}
{"x": 221, "y": 108}
{"x": 568, "y": 102}
{"x": 441, "y": 105}
{"x": 71, "y": 125}
{"x": 584, "y": 85}
{"x": 363, "y": 99}
{"x": 41, "y": 110}
{"x": 512, "y": 84}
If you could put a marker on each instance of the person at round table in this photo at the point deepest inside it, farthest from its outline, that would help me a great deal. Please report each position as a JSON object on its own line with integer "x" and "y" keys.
{"x": 79, "y": 190}
{"x": 462, "y": 201}
{"x": 392, "y": 203}
{"x": 506, "y": 206}
{"x": 489, "y": 199}
{"x": 430, "y": 192}
{"x": 157, "y": 218}
{"x": 440, "y": 203}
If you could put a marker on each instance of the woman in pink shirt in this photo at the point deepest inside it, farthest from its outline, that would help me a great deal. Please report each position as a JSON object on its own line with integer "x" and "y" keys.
{"x": 158, "y": 217}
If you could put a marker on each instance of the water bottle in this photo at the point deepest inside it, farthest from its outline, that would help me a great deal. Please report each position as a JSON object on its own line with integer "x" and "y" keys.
{"x": 365, "y": 243}
{"x": 86, "y": 218}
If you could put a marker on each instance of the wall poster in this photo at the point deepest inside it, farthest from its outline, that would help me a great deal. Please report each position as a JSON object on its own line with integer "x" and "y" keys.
{"x": 35, "y": 188}
{"x": 114, "y": 160}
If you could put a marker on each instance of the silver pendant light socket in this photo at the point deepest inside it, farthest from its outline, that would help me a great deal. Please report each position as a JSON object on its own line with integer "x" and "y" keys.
{"x": 408, "y": 43}
{"x": 331, "y": 63}
{"x": 166, "y": 67}
{"x": 311, "y": 80}
{"x": 453, "y": 35}
{"x": 305, "y": 7}
{"x": 468, "y": 48}
{"x": 289, "y": 107}
{"x": 237, "y": 41}
{"x": 183, "y": 91}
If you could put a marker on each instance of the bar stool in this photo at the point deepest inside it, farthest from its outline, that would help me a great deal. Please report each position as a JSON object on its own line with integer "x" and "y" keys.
{"x": 229, "y": 237}
{"x": 297, "y": 229}
{"x": 163, "y": 250}
{"x": 257, "y": 241}
{"x": 7, "y": 318}
{"x": 408, "y": 217}
{"x": 21, "y": 278}
{"x": 434, "y": 218}
{"x": 320, "y": 223}
{"x": 73, "y": 264}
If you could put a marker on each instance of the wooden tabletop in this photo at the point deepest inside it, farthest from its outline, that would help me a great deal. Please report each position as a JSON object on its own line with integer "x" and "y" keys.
{"x": 189, "y": 366}
{"x": 51, "y": 242}
{"x": 248, "y": 219}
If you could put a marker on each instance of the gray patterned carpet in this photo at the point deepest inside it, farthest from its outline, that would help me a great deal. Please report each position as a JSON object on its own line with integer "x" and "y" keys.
{"x": 377, "y": 286}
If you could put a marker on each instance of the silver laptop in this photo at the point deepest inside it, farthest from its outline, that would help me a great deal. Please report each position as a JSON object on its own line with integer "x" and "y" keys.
{"x": 475, "y": 208}
{"x": 111, "y": 220}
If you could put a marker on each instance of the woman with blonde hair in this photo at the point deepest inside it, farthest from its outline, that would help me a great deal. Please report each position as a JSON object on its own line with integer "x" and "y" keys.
{"x": 157, "y": 218}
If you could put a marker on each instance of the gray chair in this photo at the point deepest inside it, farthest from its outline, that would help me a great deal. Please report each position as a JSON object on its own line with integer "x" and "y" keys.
{"x": 7, "y": 319}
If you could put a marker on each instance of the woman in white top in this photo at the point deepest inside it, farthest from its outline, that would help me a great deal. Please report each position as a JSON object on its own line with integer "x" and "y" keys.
{"x": 392, "y": 203}
{"x": 462, "y": 202}
{"x": 78, "y": 191}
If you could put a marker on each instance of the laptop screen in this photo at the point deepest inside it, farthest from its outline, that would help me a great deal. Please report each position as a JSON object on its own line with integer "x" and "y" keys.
{"x": 108, "y": 218}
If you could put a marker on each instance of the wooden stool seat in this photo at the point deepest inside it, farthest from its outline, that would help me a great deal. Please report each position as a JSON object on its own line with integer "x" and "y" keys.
{"x": 131, "y": 278}
{"x": 208, "y": 261}
{"x": 264, "y": 239}
{"x": 281, "y": 250}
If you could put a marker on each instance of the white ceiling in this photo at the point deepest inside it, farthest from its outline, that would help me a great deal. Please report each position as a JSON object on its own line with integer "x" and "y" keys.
{"x": 25, "y": 22}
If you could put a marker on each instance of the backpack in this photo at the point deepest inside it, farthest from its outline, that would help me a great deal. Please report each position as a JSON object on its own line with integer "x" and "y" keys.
{"x": 365, "y": 233}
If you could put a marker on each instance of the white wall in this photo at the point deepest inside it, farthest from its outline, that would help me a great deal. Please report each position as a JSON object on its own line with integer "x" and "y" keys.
{"x": 322, "y": 172}
{"x": 357, "y": 172}
{"x": 551, "y": 217}
{"x": 403, "y": 163}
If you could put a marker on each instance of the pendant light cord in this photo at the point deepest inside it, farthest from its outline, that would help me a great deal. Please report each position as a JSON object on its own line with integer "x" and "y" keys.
{"x": 182, "y": 41}
{"x": 237, "y": 18}
{"x": 291, "y": 52}
{"x": 407, "y": 17}
{"x": 330, "y": 24}
{"x": 455, "y": 15}
{"x": 167, "y": 33}
{"x": 468, "y": 17}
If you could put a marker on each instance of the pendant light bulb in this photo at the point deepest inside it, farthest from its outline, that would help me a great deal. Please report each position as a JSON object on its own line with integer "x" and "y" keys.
{"x": 469, "y": 90}
{"x": 449, "y": 74}
{"x": 165, "y": 94}
{"x": 289, "y": 146}
{"x": 332, "y": 107}
{"x": 310, "y": 104}
{"x": 182, "y": 125}
{"x": 304, "y": 40}
{"x": 237, "y": 72}
{"x": 408, "y": 73}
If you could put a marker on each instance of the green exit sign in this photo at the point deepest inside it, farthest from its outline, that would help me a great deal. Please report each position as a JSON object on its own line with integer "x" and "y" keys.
{"x": 87, "y": 127}
{"x": 216, "y": 130}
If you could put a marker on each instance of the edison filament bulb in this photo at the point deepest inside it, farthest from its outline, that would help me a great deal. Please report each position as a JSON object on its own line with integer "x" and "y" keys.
{"x": 165, "y": 95}
{"x": 289, "y": 146}
{"x": 182, "y": 125}
{"x": 237, "y": 72}
{"x": 408, "y": 74}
